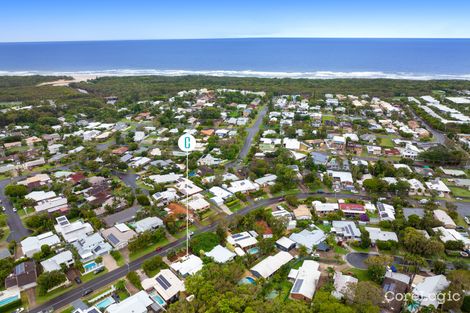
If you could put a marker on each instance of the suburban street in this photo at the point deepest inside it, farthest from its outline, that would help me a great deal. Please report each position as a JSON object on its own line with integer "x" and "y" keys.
{"x": 17, "y": 229}
{"x": 356, "y": 259}
{"x": 251, "y": 133}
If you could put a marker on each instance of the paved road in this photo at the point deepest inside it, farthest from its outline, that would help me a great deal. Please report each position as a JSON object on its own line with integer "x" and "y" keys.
{"x": 130, "y": 180}
{"x": 438, "y": 135}
{"x": 17, "y": 229}
{"x": 108, "y": 278}
{"x": 356, "y": 259}
{"x": 251, "y": 133}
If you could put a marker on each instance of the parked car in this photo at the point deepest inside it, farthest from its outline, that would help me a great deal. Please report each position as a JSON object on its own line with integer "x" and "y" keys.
{"x": 78, "y": 280}
{"x": 99, "y": 270}
{"x": 466, "y": 219}
{"x": 87, "y": 292}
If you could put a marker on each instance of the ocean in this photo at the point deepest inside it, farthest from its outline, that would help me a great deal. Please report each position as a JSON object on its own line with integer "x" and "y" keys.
{"x": 257, "y": 57}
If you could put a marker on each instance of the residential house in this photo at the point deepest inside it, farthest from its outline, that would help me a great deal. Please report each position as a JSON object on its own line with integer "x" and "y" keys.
{"x": 438, "y": 186}
{"x": 382, "y": 235}
{"x": 285, "y": 244}
{"x": 186, "y": 187}
{"x": 242, "y": 186}
{"x": 221, "y": 254}
{"x": 302, "y": 212}
{"x": 341, "y": 180}
{"x": 119, "y": 235}
{"x": 308, "y": 239}
{"x": 395, "y": 285}
{"x": 54, "y": 263}
{"x": 137, "y": 303}
{"x": 386, "y": 211}
{"x": 446, "y": 234}
{"x": 416, "y": 187}
{"x": 188, "y": 265}
{"x": 91, "y": 247}
{"x": 266, "y": 180}
{"x": 23, "y": 277}
{"x": 208, "y": 160}
{"x": 244, "y": 240}
{"x": 268, "y": 266}
{"x": 426, "y": 288}
{"x": 148, "y": 223}
{"x": 444, "y": 218}
{"x": 343, "y": 285}
{"x": 164, "y": 197}
{"x": 31, "y": 245}
{"x": 407, "y": 212}
{"x": 324, "y": 208}
{"x": 166, "y": 284}
{"x": 306, "y": 280}
{"x": 352, "y": 209}
{"x": 72, "y": 231}
{"x": 346, "y": 230}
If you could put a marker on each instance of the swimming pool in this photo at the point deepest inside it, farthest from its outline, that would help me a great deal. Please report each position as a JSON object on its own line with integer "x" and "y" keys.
{"x": 8, "y": 300}
{"x": 254, "y": 250}
{"x": 247, "y": 280}
{"x": 105, "y": 303}
{"x": 156, "y": 297}
{"x": 90, "y": 266}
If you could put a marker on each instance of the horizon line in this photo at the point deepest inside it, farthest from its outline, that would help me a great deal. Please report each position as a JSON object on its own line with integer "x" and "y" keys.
{"x": 232, "y": 38}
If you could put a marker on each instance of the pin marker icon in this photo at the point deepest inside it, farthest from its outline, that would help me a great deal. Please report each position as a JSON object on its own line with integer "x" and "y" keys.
{"x": 187, "y": 143}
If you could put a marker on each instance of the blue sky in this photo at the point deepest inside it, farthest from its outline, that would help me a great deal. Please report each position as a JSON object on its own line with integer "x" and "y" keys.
{"x": 51, "y": 20}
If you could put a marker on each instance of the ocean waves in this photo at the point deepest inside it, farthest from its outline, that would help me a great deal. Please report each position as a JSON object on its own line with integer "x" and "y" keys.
{"x": 243, "y": 73}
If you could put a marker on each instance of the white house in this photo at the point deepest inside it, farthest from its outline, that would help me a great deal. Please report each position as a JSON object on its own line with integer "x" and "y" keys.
{"x": 439, "y": 186}
{"x": 137, "y": 303}
{"x": 382, "y": 235}
{"x": 271, "y": 264}
{"x": 54, "y": 263}
{"x": 306, "y": 280}
{"x": 242, "y": 186}
{"x": 72, "y": 231}
{"x": 148, "y": 223}
{"x": 166, "y": 283}
{"x": 221, "y": 254}
{"x": 188, "y": 265}
{"x": 444, "y": 218}
{"x": 427, "y": 288}
{"x": 33, "y": 244}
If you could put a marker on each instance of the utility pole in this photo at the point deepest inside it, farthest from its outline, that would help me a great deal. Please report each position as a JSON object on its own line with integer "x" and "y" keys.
{"x": 187, "y": 143}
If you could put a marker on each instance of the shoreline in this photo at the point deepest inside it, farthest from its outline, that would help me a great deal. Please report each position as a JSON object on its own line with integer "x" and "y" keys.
{"x": 79, "y": 76}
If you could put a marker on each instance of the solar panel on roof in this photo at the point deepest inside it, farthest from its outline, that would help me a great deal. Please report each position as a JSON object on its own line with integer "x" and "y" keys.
{"x": 20, "y": 269}
{"x": 236, "y": 236}
{"x": 113, "y": 239}
{"x": 163, "y": 282}
{"x": 297, "y": 285}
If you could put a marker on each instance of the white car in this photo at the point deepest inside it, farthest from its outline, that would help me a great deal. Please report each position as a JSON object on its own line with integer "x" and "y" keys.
{"x": 14, "y": 209}
{"x": 466, "y": 219}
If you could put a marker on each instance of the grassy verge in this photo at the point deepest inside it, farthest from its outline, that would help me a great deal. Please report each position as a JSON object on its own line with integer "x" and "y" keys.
{"x": 90, "y": 276}
{"x": 135, "y": 255}
{"x": 460, "y": 192}
{"x": 361, "y": 275}
{"x": 53, "y": 294}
